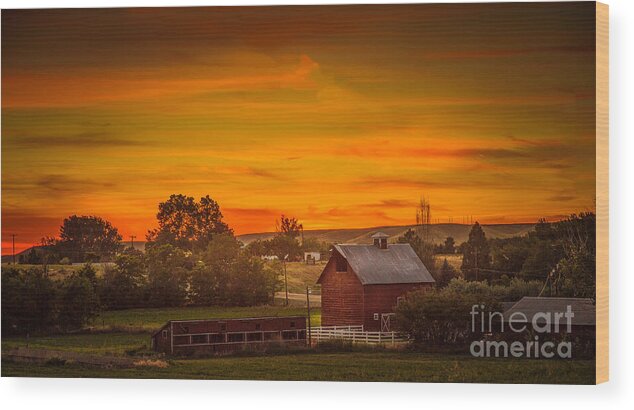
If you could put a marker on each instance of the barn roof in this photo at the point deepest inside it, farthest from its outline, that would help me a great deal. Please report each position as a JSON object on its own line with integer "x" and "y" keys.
{"x": 396, "y": 264}
{"x": 583, "y": 309}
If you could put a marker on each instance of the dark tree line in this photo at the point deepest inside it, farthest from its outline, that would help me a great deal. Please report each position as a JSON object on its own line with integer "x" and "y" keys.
{"x": 32, "y": 302}
{"x": 192, "y": 258}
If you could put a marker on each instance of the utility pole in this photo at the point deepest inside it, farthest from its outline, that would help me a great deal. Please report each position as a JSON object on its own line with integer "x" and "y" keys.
{"x": 308, "y": 292}
{"x": 285, "y": 280}
{"x": 13, "y": 240}
{"x": 132, "y": 238}
{"x": 476, "y": 262}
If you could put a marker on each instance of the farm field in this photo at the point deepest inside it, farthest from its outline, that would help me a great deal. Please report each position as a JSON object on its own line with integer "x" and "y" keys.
{"x": 148, "y": 320}
{"x": 349, "y": 366}
{"x": 301, "y": 275}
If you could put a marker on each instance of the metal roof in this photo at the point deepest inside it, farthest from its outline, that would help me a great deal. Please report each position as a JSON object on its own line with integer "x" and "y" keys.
{"x": 380, "y": 235}
{"x": 584, "y": 310}
{"x": 396, "y": 264}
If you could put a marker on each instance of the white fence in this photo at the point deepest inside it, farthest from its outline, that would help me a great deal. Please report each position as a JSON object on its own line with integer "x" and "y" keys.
{"x": 356, "y": 334}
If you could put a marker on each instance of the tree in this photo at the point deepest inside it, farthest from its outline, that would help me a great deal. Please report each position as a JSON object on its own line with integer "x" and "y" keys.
{"x": 168, "y": 275}
{"x": 122, "y": 287}
{"x": 188, "y": 224}
{"x": 78, "y": 301}
{"x": 88, "y": 238}
{"x": 441, "y": 317}
{"x": 445, "y": 274}
{"x": 476, "y": 255}
{"x": 288, "y": 226}
{"x": 253, "y": 282}
{"x": 211, "y": 276}
{"x": 577, "y": 268}
{"x": 28, "y": 301}
{"x": 424, "y": 250}
{"x": 449, "y": 245}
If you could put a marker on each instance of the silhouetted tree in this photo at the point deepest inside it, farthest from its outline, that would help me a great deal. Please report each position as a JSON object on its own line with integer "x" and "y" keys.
{"x": 88, "y": 239}
{"x": 476, "y": 255}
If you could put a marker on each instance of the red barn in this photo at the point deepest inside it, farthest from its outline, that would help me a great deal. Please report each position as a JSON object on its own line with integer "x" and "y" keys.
{"x": 361, "y": 284}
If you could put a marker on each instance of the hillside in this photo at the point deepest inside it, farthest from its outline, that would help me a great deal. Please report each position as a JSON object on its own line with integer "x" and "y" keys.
{"x": 438, "y": 233}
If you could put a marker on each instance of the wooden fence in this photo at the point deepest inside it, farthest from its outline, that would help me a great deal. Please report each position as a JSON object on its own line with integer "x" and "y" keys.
{"x": 356, "y": 334}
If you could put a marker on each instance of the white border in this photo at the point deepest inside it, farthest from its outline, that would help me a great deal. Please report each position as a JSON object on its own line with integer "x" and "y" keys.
{"x": 107, "y": 394}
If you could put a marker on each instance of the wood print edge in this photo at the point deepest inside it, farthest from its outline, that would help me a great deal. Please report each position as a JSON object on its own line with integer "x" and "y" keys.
{"x": 602, "y": 192}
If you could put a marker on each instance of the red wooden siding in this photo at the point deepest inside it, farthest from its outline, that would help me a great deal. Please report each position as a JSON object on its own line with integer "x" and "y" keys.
{"x": 383, "y": 299}
{"x": 218, "y": 336}
{"x": 341, "y": 297}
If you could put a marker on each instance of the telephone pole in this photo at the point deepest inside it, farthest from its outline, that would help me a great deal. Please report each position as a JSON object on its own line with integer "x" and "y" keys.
{"x": 132, "y": 238}
{"x": 13, "y": 240}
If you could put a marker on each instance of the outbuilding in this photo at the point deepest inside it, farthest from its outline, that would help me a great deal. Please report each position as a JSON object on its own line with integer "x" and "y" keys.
{"x": 221, "y": 336}
{"x": 362, "y": 284}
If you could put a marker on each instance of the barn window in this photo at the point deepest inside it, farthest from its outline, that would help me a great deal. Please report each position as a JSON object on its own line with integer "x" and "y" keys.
{"x": 258, "y": 326}
{"x": 254, "y": 337}
{"x": 342, "y": 265}
{"x": 271, "y": 336}
{"x": 216, "y": 338}
{"x": 289, "y": 335}
{"x": 164, "y": 333}
{"x": 235, "y": 337}
{"x": 199, "y": 339}
{"x": 376, "y": 316}
{"x": 223, "y": 326}
{"x": 292, "y": 324}
{"x": 181, "y": 340}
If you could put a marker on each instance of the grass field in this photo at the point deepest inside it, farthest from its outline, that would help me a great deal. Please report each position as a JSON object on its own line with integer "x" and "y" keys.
{"x": 350, "y": 366}
{"x": 301, "y": 275}
{"x": 151, "y": 319}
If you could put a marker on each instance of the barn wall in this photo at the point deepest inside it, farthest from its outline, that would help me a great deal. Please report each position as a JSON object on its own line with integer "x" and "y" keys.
{"x": 382, "y": 299}
{"x": 341, "y": 297}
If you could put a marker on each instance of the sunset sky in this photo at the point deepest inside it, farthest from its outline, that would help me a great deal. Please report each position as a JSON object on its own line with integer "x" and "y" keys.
{"x": 342, "y": 116}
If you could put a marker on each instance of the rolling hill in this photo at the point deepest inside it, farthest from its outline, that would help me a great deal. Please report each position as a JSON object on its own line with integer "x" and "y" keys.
{"x": 438, "y": 233}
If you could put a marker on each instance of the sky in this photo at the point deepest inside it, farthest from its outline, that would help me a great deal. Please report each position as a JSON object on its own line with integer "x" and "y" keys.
{"x": 342, "y": 116}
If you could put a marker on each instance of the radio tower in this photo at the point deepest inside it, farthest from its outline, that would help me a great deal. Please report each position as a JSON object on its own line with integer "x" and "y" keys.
{"x": 423, "y": 218}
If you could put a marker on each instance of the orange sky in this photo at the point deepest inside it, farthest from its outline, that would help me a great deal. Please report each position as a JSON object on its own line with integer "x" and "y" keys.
{"x": 341, "y": 115}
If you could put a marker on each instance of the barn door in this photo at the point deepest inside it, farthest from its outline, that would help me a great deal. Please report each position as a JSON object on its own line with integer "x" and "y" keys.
{"x": 386, "y": 322}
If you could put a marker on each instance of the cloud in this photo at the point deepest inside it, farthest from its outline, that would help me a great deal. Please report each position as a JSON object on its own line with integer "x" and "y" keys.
{"x": 83, "y": 140}
{"x": 62, "y": 184}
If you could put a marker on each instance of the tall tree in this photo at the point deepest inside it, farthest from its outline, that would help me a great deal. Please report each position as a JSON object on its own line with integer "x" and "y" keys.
{"x": 122, "y": 287}
{"x": 168, "y": 275}
{"x": 476, "y": 256}
{"x": 288, "y": 226}
{"x": 188, "y": 224}
{"x": 88, "y": 238}
{"x": 424, "y": 250}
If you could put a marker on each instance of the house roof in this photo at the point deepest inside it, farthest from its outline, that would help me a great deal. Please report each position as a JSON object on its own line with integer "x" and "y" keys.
{"x": 583, "y": 309}
{"x": 396, "y": 264}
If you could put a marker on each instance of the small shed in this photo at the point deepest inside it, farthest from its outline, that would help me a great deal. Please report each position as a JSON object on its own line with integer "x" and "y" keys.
{"x": 362, "y": 284}
{"x": 583, "y": 312}
{"x": 312, "y": 256}
{"x": 222, "y": 336}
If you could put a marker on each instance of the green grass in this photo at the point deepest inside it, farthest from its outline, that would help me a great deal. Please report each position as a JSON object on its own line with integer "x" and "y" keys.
{"x": 152, "y": 319}
{"x": 94, "y": 343}
{"x": 354, "y": 366}
{"x": 301, "y": 275}
{"x": 454, "y": 260}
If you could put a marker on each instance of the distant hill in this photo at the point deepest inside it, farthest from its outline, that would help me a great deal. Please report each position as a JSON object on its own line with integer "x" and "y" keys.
{"x": 438, "y": 233}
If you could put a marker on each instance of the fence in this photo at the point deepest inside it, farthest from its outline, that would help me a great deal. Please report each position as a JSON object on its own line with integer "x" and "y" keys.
{"x": 356, "y": 334}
